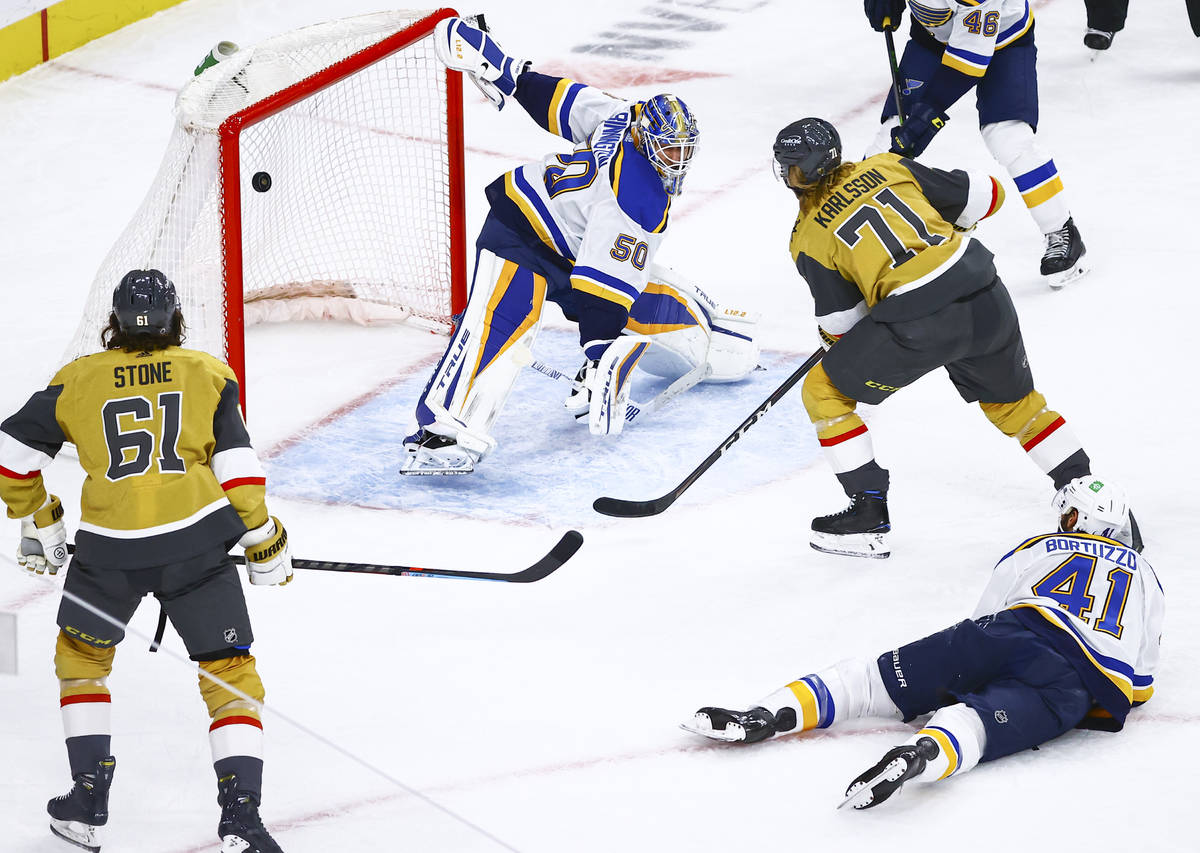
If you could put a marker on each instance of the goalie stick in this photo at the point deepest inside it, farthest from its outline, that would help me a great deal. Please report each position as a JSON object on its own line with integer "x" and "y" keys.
{"x": 559, "y": 554}
{"x": 639, "y": 509}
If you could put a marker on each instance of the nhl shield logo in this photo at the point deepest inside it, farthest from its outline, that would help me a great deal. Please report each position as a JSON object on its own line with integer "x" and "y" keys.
{"x": 1001, "y": 716}
{"x": 231, "y": 635}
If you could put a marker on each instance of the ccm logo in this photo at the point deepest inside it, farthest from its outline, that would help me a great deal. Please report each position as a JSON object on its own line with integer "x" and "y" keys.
{"x": 873, "y": 384}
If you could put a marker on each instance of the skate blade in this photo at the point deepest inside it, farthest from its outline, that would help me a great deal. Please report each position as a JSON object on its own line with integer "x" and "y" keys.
{"x": 234, "y": 844}
{"x": 701, "y": 725}
{"x": 73, "y": 832}
{"x": 1059, "y": 280}
{"x": 870, "y": 545}
{"x": 422, "y": 463}
{"x": 861, "y": 794}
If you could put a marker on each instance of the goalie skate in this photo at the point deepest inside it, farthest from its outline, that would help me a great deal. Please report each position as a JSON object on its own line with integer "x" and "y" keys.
{"x": 731, "y": 726}
{"x": 430, "y": 454}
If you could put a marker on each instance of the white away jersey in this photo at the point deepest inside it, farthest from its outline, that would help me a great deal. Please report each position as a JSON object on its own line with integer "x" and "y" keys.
{"x": 603, "y": 207}
{"x": 1097, "y": 601}
{"x": 972, "y": 30}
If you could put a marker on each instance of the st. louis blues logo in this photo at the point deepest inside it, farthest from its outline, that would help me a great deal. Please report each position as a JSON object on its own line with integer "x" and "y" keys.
{"x": 930, "y": 16}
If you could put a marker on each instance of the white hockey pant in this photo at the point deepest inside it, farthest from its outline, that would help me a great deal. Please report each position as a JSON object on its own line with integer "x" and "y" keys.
{"x": 492, "y": 343}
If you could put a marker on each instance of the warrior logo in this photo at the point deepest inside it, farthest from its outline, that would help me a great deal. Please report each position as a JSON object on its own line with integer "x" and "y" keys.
{"x": 231, "y": 635}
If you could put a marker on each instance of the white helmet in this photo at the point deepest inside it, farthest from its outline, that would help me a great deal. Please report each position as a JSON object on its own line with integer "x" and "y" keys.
{"x": 1103, "y": 508}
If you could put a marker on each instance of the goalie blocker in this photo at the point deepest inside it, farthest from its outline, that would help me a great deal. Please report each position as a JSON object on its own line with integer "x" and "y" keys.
{"x": 675, "y": 331}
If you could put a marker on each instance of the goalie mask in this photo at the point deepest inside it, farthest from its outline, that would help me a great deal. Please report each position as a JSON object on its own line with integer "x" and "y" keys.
{"x": 806, "y": 151}
{"x": 1103, "y": 508}
{"x": 666, "y": 132}
{"x": 145, "y": 303}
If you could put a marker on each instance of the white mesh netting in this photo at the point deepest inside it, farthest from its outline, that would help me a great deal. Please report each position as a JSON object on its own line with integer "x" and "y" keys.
{"x": 358, "y": 204}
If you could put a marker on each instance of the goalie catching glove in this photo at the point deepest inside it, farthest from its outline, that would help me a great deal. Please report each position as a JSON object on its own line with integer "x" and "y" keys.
{"x": 469, "y": 49}
{"x": 43, "y": 539}
{"x": 268, "y": 560}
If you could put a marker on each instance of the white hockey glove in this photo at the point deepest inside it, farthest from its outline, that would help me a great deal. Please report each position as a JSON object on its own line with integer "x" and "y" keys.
{"x": 268, "y": 560}
{"x": 43, "y": 539}
{"x": 469, "y": 49}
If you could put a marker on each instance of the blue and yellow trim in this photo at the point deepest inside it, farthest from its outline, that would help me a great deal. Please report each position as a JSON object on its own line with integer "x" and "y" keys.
{"x": 660, "y": 308}
{"x": 535, "y": 211}
{"x": 817, "y": 709}
{"x": 638, "y": 189}
{"x": 1118, "y": 672}
{"x": 1039, "y": 185}
{"x": 930, "y": 16}
{"x": 1016, "y": 30}
{"x": 558, "y": 114}
{"x": 518, "y": 293}
{"x": 966, "y": 62}
{"x": 948, "y": 743}
{"x": 603, "y": 286}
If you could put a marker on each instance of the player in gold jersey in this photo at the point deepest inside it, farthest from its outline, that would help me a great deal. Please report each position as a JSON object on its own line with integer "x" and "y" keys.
{"x": 172, "y": 484}
{"x": 900, "y": 288}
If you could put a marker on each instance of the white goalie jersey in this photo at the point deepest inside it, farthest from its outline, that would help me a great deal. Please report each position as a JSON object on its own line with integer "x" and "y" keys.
{"x": 1098, "y": 602}
{"x": 602, "y": 208}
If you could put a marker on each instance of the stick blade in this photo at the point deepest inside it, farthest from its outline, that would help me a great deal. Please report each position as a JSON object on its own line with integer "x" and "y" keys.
{"x": 571, "y": 542}
{"x": 618, "y": 508}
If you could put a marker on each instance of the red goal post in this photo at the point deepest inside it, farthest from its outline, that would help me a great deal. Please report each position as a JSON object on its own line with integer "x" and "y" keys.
{"x": 317, "y": 174}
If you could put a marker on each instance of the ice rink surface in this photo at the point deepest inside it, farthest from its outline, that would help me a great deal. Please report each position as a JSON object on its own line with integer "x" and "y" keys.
{"x": 546, "y": 715}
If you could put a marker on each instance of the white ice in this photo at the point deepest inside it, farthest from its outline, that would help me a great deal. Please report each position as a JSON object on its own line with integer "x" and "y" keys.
{"x": 546, "y": 714}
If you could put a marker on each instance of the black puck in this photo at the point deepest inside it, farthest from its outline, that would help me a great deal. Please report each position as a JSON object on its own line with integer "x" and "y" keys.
{"x": 261, "y": 182}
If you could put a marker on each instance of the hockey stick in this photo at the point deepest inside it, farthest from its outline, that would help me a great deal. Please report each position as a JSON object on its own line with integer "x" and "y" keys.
{"x": 559, "y": 554}
{"x": 639, "y": 509}
{"x": 891, "y": 49}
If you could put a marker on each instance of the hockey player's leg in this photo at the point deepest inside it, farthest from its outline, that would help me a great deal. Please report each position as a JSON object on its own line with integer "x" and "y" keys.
{"x": 83, "y": 671}
{"x": 861, "y": 529}
{"x": 851, "y": 689}
{"x": 236, "y": 740}
{"x": 1044, "y": 435}
{"x": 465, "y": 46}
{"x": 1015, "y": 147}
{"x": 951, "y": 742}
{"x": 472, "y": 381}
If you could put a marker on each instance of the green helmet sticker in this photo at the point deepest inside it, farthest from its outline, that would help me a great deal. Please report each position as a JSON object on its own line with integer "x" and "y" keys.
{"x": 1096, "y": 486}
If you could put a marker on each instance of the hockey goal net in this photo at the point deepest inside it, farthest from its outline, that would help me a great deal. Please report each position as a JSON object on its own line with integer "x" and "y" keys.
{"x": 318, "y": 174}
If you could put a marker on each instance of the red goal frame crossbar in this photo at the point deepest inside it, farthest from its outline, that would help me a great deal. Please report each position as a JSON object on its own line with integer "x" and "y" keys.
{"x": 231, "y": 190}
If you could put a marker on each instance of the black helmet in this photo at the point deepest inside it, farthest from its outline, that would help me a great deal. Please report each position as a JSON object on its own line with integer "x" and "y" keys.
{"x": 812, "y": 145}
{"x": 145, "y": 303}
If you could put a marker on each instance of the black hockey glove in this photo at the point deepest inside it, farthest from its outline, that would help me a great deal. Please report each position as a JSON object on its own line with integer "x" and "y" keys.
{"x": 913, "y": 137}
{"x": 879, "y": 10}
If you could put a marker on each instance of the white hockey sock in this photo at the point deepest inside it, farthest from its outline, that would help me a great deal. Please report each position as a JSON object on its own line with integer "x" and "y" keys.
{"x": 960, "y": 738}
{"x": 848, "y": 690}
{"x": 1016, "y": 148}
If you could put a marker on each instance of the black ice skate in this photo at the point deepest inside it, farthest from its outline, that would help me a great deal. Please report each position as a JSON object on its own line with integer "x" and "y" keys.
{"x": 241, "y": 829}
{"x": 896, "y": 767}
{"x": 734, "y": 726}
{"x": 860, "y": 530}
{"x": 76, "y": 815}
{"x": 1065, "y": 256}
{"x": 1098, "y": 39}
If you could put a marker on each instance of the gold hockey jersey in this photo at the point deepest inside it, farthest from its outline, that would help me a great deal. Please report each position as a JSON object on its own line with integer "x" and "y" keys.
{"x": 888, "y": 238}
{"x": 170, "y": 470}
